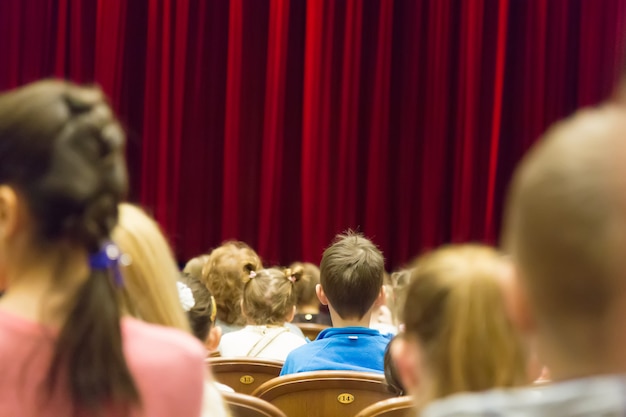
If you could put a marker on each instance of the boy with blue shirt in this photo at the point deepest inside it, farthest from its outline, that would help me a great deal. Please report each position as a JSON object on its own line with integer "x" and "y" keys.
{"x": 351, "y": 284}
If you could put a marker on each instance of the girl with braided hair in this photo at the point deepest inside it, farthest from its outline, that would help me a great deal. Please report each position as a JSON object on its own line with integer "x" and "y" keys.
{"x": 268, "y": 302}
{"x": 65, "y": 349}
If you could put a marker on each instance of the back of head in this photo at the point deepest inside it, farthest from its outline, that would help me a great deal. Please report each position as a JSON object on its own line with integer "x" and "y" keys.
{"x": 193, "y": 268}
{"x": 224, "y": 274}
{"x": 62, "y": 152}
{"x": 455, "y": 308}
{"x": 305, "y": 287}
{"x": 566, "y": 229}
{"x": 351, "y": 274}
{"x": 269, "y": 295}
{"x": 149, "y": 292}
{"x": 203, "y": 313}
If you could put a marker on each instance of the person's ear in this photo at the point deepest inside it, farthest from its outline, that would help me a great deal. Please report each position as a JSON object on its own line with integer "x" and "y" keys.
{"x": 405, "y": 355}
{"x": 320, "y": 295}
{"x": 290, "y": 315}
{"x": 9, "y": 212}
{"x": 213, "y": 339}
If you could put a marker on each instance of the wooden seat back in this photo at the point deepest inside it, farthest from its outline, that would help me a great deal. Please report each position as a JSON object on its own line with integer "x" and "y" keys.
{"x": 244, "y": 375}
{"x": 242, "y": 405}
{"x": 393, "y": 407}
{"x": 324, "y": 393}
{"x": 311, "y": 330}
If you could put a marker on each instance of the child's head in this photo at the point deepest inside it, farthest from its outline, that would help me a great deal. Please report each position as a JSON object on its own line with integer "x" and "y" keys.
{"x": 456, "y": 318}
{"x": 62, "y": 175}
{"x": 351, "y": 275}
{"x": 305, "y": 287}
{"x": 224, "y": 274}
{"x": 269, "y": 296}
{"x": 193, "y": 268}
{"x": 203, "y": 313}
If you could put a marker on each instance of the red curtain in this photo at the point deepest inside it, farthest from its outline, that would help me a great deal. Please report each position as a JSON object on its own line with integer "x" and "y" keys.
{"x": 283, "y": 122}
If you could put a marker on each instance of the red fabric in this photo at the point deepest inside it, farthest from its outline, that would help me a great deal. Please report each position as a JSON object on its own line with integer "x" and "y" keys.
{"x": 284, "y": 122}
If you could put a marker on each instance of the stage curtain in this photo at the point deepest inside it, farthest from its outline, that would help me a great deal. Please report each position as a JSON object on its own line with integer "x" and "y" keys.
{"x": 283, "y": 123}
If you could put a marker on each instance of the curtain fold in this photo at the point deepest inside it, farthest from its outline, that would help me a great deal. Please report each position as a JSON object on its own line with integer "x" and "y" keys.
{"x": 283, "y": 123}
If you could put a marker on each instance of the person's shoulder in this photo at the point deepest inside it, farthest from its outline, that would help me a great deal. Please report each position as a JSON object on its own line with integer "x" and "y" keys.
{"x": 466, "y": 405}
{"x": 146, "y": 342}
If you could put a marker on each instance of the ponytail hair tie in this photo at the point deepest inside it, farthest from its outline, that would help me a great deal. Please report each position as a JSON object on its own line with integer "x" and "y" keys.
{"x": 252, "y": 274}
{"x": 109, "y": 257}
{"x": 292, "y": 278}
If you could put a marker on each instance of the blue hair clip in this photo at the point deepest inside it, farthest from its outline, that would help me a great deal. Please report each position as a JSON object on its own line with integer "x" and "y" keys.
{"x": 109, "y": 258}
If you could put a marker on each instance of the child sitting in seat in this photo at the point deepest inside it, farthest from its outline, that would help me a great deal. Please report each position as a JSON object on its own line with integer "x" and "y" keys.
{"x": 308, "y": 306}
{"x": 351, "y": 284}
{"x": 268, "y": 302}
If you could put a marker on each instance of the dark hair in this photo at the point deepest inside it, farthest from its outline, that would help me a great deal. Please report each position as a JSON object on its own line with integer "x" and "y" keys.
{"x": 351, "y": 274}
{"x": 201, "y": 314}
{"x": 62, "y": 148}
{"x": 391, "y": 373}
{"x": 269, "y": 295}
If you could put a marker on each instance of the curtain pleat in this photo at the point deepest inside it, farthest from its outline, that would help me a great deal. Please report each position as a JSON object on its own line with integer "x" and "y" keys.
{"x": 283, "y": 123}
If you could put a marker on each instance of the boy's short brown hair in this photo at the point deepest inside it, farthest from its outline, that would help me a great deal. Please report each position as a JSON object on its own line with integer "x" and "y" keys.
{"x": 351, "y": 274}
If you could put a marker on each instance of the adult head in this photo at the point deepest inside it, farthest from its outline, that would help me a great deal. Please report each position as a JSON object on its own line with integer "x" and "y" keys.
{"x": 458, "y": 334}
{"x": 61, "y": 178}
{"x": 565, "y": 227}
{"x": 224, "y": 274}
{"x": 351, "y": 277}
{"x": 149, "y": 292}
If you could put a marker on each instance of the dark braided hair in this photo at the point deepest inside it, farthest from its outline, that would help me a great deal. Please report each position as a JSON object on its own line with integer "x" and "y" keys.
{"x": 63, "y": 150}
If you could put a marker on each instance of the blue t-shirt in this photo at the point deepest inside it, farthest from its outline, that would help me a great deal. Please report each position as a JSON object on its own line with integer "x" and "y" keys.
{"x": 340, "y": 349}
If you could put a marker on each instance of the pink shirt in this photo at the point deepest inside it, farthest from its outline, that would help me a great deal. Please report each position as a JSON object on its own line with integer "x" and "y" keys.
{"x": 167, "y": 366}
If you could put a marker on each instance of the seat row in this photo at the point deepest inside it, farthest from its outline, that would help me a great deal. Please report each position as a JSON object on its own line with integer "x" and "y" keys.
{"x": 260, "y": 391}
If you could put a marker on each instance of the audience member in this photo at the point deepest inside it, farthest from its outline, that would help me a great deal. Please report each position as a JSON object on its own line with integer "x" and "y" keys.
{"x": 65, "y": 349}
{"x": 149, "y": 291}
{"x": 224, "y": 274}
{"x": 202, "y": 311}
{"x": 382, "y": 318}
{"x": 269, "y": 301}
{"x": 351, "y": 284}
{"x": 565, "y": 228}
{"x": 458, "y": 336}
{"x": 308, "y": 306}
{"x": 391, "y": 373}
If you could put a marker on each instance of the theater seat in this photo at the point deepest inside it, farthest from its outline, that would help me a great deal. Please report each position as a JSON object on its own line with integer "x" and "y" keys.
{"x": 242, "y": 405}
{"x": 311, "y": 330}
{"x": 244, "y": 375}
{"x": 393, "y": 407}
{"x": 324, "y": 393}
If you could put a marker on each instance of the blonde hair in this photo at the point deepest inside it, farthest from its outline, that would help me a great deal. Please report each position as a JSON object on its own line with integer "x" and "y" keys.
{"x": 565, "y": 226}
{"x": 305, "y": 287}
{"x": 455, "y": 307}
{"x": 149, "y": 292}
{"x": 224, "y": 274}
{"x": 269, "y": 295}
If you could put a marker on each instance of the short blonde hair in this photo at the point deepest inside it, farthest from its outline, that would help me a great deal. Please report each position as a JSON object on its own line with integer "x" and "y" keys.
{"x": 565, "y": 224}
{"x": 149, "y": 292}
{"x": 224, "y": 274}
{"x": 455, "y": 306}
